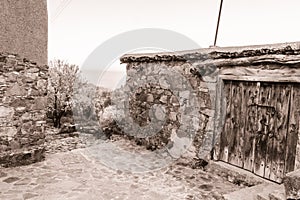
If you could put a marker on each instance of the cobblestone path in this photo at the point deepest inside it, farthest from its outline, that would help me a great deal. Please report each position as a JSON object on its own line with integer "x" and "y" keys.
{"x": 76, "y": 175}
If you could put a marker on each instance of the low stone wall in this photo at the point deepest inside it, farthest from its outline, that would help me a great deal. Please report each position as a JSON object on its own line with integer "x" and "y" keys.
{"x": 23, "y": 90}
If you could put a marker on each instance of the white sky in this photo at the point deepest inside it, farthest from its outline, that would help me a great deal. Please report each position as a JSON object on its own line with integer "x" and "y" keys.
{"x": 84, "y": 24}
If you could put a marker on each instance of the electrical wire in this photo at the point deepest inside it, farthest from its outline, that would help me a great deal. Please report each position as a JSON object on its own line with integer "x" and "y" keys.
{"x": 62, "y": 6}
{"x": 219, "y": 18}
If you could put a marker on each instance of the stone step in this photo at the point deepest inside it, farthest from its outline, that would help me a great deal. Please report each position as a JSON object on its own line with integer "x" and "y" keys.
{"x": 264, "y": 191}
{"x": 235, "y": 174}
{"x": 278, "y": 195}
{"x": 291, "y": 182}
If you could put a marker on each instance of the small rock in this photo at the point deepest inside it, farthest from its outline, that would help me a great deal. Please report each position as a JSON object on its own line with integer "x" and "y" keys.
{"x": 164, "y": 99}
{"x": 150, "y": 98}
{"x": 29, "y": 196}
{"x": 2, "y": 174}
{"x": 11, "y": 180}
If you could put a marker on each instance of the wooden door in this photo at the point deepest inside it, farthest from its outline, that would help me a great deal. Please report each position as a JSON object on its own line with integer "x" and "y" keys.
{"x": 261, "y": 127}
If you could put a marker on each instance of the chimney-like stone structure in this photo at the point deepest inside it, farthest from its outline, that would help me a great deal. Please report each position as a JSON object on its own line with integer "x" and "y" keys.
{"x": 24, "y": 29}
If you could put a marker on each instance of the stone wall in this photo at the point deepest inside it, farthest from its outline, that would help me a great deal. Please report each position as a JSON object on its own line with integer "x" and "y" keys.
{"x": 187, "y": 98}
{"x": 23, "y": 90}
{"x": 24, "y": 29}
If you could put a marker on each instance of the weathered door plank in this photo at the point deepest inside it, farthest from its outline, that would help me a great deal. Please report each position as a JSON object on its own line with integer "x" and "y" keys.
{"x": 224, "y": 142}
{"x": 293, "y": 147}
{"x": 251, "y": 96}
{"x": 283, "y": 93}
{"x": 265, "y": 123}
{"x": 271, "y": 115}
{"x": 236, "y": 135}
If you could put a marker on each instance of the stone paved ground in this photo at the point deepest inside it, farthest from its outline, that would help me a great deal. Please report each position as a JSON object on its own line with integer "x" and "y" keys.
{"x": 78, "y": 175}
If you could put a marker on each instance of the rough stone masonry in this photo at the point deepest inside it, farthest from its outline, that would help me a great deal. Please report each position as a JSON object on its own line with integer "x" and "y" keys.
{"x": 23, "y": 90}
{"x": 188, "y": 101}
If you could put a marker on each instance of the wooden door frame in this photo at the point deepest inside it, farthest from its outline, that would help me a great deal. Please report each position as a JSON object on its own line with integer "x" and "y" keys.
{"x": 220, "y": 102}
{"x": 286, "y": 74}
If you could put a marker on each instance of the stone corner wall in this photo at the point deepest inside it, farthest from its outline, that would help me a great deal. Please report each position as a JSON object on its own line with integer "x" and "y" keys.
{"x": 188, "y": 102}
{"x": 23, "y": 90}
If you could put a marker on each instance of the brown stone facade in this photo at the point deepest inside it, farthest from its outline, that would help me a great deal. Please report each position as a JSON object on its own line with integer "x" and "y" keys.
{"x": 24, "y": 29}
{"x": 23, "y": 90}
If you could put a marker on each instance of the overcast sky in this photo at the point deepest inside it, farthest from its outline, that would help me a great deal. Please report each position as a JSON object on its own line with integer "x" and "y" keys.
{"x": 77, "y": 27}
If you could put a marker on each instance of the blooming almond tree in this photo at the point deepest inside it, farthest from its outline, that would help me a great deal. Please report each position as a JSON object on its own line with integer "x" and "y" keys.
{"x": 62, "y": 77}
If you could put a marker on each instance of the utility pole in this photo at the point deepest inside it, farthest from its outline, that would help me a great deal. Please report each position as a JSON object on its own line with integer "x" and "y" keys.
{"x": 220, "y": 11}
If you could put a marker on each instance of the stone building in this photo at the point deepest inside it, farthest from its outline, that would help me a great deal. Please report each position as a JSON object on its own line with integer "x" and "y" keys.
{"x": 23, "y": 80}
{"x": 243, "y": 103}
{"x": 24, "y": 29}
